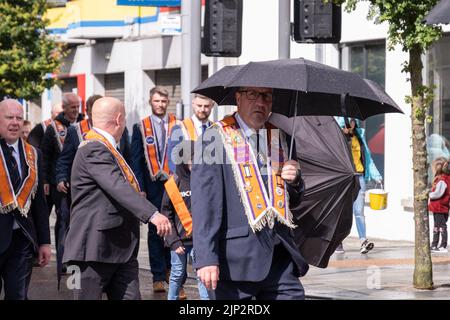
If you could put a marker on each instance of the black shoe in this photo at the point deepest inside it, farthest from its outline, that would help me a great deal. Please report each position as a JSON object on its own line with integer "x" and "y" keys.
{"x": 366, "y": 246}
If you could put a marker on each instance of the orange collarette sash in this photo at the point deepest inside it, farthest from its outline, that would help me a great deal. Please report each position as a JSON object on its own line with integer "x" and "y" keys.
{"x": 92, "y": 136}
{"x": 46, "y": 123}
{"x": 189, "y": 129}
{"x": 179, "y": 205}
{"x": 61, "y": 132}
{"x": 82, "y": 129}
{"x": 261, "y": 206}
{"x": 22, "y": 200}
{"x": 158, "y": 168}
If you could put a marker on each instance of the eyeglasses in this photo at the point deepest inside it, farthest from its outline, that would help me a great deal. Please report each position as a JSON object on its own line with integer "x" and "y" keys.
{"x": 253, "y": 95}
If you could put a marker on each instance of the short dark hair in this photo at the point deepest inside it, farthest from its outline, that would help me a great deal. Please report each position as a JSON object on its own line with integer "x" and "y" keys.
{"x": 160, "y": 90}
{"x": 26, "y": 122}
{"x": 90, "y": 102}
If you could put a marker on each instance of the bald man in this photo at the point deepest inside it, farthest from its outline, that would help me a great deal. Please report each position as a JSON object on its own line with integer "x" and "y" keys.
{"x": 103, "y": 237}
{"x": 24, "y": 225}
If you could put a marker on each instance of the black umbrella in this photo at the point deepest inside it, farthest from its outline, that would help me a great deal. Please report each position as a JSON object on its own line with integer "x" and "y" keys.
{"x": 324, "y": 218}
{"x": 302, "y": 87}
{"x": 439, "y": 14}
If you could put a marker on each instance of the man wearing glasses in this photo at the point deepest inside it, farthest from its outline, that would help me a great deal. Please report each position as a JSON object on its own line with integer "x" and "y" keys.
{"x": 243, "y": 239}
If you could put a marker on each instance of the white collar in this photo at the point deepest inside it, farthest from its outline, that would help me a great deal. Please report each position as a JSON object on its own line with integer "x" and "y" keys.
{"x": 158, "y": 119}
{"x": 15, "y": 145}
{"x": 248, "y": 132}
{"x": 198, "y": 123}
{"x": 108, "y": 136}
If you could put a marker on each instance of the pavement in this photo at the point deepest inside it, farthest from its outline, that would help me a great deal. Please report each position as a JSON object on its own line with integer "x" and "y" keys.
{"x": 385, "y": 273}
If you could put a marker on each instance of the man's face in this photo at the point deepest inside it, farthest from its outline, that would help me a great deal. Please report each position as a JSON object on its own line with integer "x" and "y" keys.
{"x": 26, "y": 131}
{"x": 254, "y": 105}
{"x": 11, "y": 121}
{"x": 71, "y": 109}
{"x": 159, "y": 104}
{"x": 202, "y": 108}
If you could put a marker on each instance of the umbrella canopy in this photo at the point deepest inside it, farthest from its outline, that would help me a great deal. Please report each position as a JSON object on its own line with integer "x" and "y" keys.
{"x": 439, "y": 14}
{"x": 324, "y": 218}
{"x": 302, "y": 87}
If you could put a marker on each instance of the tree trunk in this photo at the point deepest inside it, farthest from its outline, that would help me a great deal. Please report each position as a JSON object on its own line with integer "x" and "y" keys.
{"x": 423, "y": 270}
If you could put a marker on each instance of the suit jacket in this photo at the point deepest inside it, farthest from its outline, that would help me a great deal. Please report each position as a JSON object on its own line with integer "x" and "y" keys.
{"x": 105, "y": 211}
{"x": 153, "y": 189}
{"x": 50, "y": 149}
{"x": 221, "y": 233}
{"x": 36, "y": 225}
{"x": 36, "y": 136}
{"x": 67, "y": 155}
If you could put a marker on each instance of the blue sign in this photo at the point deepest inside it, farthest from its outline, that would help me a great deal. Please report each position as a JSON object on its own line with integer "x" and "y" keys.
{"x": 150, "y": 3}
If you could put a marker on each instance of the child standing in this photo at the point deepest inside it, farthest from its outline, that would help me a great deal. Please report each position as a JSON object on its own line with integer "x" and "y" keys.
{"x": 439, "y": 203}
{"x": 176, "y": 205}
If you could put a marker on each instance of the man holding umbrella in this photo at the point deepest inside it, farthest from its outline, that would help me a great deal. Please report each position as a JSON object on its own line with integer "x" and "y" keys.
{"x": 243, "y": 238}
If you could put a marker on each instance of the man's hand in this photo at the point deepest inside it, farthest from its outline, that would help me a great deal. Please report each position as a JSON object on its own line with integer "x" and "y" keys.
{"x": 61, "y": 187}
{"x": 290, "y": 171}
{"x": 45, "y": 253}
{"x": 179, "y": 250}
{"x": 47, "y": 189}
{"x": 209, "y": 276}
{"x": 162, "y": 224}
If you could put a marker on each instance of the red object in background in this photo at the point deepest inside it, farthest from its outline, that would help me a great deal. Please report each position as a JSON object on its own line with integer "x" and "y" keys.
{"x": 81, "y": 85}
{"x": 376, "y": 144}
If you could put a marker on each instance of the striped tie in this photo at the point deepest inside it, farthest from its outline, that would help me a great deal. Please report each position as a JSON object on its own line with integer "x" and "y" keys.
{"x": 14, "y": 173}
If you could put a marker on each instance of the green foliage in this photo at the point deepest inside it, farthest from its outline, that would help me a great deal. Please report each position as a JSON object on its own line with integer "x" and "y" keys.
{"x": 27, "y": 54}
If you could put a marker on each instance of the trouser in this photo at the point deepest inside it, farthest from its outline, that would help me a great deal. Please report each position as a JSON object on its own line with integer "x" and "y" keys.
{"x": 440, "y": 228}
{"x": 178, "y": 275}
{"x": 118, "y": 281}
{"x": 281, "y": 282}
{"x": 61, "y": 227}
{"x": 358, "y": 209}
{"x": 159, "y": 255}
{"x": 16, "y": 265}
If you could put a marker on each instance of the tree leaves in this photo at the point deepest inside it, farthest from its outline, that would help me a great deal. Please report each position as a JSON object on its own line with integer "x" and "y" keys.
{"x": 27, "y": 53}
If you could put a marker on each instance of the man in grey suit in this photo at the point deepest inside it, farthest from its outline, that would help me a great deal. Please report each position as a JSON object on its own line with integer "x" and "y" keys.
{"x": 242, "y": 189}
{"x": 103, "y": 236}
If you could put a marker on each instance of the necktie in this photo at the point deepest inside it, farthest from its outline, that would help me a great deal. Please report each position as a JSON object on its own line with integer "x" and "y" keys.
{"x": 204, "y": 126}
{"x": 260, "y": 159}
{"x": 14, "y": 173}
{"x": 163, "y": 140}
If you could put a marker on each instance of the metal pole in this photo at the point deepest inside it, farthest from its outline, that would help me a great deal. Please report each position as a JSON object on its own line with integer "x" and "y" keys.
{"x": 284, "y": 29}
{"x": 190, "y": 45}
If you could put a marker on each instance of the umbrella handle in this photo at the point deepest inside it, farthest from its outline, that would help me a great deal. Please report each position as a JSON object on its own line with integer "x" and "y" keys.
{"x": 291, "y": 148}
{"x": 344, "y": 109}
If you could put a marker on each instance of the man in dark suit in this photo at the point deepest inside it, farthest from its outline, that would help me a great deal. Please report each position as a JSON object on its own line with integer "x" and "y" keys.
{"x": 242, "y": 190}
{"x": 103, "y": 237}
{"x": 51, "y": 147}
{"x": 150, "y": 163}
{"x": 24, "y": 224}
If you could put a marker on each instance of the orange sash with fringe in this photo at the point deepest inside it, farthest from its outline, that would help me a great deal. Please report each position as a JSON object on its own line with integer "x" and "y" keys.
{"x": 82, "y": 129}
{"x": 261, "y": 206}
{"x": 189, "y": 129}
{"x": 93, "y": 135}
{"x": 61, "y": 132}
{"x": 22, "y": 200}
{"x": 158, "y": 168}
{"x": 179, "y": 205}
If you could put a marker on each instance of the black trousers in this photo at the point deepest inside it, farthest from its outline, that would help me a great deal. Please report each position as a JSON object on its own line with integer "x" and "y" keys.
{"x": 16, "y": 265}
{"x": 118, "y": 281}
{"x": 280, "y": 284}
{"x": 440, "y": 228}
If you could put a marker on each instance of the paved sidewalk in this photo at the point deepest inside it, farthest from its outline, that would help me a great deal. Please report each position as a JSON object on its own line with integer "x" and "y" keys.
{"x": 384, "y": 273}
